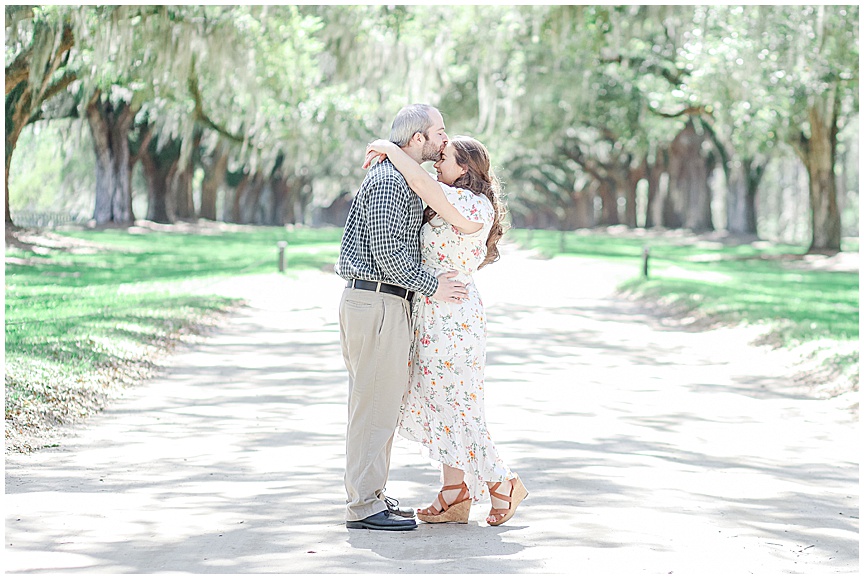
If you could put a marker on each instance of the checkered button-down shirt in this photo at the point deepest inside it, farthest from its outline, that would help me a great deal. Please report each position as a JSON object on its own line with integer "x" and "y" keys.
{"x": 381, "y": 241}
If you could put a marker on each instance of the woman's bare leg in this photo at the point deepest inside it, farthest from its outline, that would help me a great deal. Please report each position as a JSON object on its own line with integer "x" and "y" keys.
{"x": 497, "y": 503}
{"x": 452, "y": 476}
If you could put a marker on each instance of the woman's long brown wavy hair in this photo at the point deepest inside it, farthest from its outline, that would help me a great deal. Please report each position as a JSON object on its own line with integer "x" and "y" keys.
{"x": 479, "y": 178}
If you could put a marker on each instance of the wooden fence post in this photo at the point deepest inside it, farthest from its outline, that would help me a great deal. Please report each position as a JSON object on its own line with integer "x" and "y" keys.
{"x": 645, "y": 253}
{"x": 282, "y": 245}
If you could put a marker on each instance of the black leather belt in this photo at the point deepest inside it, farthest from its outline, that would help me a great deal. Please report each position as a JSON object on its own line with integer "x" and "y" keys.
{"x": 377, "y": 286}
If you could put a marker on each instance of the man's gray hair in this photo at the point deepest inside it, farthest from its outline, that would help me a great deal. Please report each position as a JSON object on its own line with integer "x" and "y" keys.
{"x": 409, "y": 121}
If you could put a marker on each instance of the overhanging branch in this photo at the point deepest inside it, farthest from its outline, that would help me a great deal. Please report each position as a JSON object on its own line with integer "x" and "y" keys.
{"x": 18, "y": 70}
{"x": 58, "y": 86}
{"x": 673, "y": 77}
{"x": 692, "y": 111}
{"x": 204, "y": 118}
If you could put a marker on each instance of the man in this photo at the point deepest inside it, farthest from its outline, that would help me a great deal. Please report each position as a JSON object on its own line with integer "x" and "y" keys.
{"x": 380, "y": 259}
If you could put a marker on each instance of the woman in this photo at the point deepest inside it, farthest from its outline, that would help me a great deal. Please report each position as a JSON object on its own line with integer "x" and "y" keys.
{"x": 443, "y": 409}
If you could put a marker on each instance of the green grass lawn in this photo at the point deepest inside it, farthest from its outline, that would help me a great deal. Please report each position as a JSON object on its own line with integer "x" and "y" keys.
{"x": 88, "y": 309}
{"x": 93, "y": 312}
{"x": 754, "y": 283}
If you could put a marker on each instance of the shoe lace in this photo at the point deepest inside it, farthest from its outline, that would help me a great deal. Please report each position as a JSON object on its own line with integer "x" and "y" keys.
{"x": 392, "y": 504}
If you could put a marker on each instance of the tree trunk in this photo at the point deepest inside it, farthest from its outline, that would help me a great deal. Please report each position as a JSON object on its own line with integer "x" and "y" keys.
{"x": 670, "y": 216}
{"x": 604, "y": 177}
{"x": 160, "y": 166}
{"x": 23, "y": 101}
{"x": 262, "y": 213}
{"x": 653, "y": 178}
{"x": 281, "y": 197}
{"x": 109, "y": 128}
{"x": 818, "y": 152}
{"x": 17, "y": 112}
{"x": 289, "y": 214}
{"x": 249, "y": 203}
{"x": 181, "y": 191}
{"x": 653, "y": 171}
{"x": 755, "y": 171}
{"x": 159, "y": 207}
{"x": 736, "y": 198}
{"x": 232, "y": 211}
{"x": 689, "y": 202}
{"x": 279, "y": 193}
{"x": 609, "y": 200}
{"x": 840, "y": 180}
{"x": 101, "y": 135}
{"x": 337, "y": 212}
{"x": 184, "y": 202}
{"x": 630, "y": 181}
{"x": 302, "y": 195}
{"x": 742, "y": 183}
{"x": 743, "y": 178}
{"x": 214, "y": 177}
{"x": 581, "y": 209}
{"x": 8, "y": 213}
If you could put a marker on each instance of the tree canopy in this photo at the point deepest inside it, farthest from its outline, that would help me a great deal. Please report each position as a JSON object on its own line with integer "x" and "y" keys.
{"x": 584, "y": 108}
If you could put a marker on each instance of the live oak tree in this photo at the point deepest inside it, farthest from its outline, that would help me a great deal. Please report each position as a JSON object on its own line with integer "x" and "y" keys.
{"x": 765, "y": 75}
{"x": 593, "y": 72}
{"x": 809, "y": 64}
{"x": 736, "y": 111}
{"x": 267, "y": 108}
{"x": 155, "y": 88}
{"x": 39, "y": 41}
{"x": 282, "y": 120}
{"x": 647, "y": 50}
{"x": 105, "y": 61}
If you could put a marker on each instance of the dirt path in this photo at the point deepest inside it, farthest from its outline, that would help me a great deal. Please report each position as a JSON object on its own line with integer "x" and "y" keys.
{"x": 647, "y": 449}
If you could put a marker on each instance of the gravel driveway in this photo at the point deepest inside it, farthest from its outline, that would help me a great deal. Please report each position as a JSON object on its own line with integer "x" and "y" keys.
{"x": 646, "y": 449}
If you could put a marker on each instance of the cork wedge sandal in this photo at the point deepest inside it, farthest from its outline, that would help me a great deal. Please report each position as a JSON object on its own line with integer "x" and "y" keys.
{"x": 455, "y": 513}
{"x": 517, "y": 494}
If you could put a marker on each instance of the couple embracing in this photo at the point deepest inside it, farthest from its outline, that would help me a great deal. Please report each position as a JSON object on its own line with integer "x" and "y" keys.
{"x": 412, "y": 325}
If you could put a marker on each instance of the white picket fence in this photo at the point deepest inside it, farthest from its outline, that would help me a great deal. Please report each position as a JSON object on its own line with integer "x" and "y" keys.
{"x": 46, "y": 219}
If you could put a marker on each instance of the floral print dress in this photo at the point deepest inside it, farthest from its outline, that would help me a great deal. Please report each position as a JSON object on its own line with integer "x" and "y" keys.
{"x": 443, "y": 409}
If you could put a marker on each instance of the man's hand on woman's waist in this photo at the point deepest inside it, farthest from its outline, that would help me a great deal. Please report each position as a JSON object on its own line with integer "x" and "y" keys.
{"x": 450, "y": 290}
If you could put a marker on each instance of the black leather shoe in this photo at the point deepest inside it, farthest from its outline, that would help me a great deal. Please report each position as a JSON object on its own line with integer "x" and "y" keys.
{"x": 393, "y": 507}
{"x": 383, "y": 521}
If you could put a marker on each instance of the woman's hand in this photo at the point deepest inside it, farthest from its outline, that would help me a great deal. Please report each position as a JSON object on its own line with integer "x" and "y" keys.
{"x": 370, "y": 158}
{"x": 377, "y": 149}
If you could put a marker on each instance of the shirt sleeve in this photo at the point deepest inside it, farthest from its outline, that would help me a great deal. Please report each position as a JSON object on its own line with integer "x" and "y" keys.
{"x": 388, "y": 210}
{"x": 473, "y": 207}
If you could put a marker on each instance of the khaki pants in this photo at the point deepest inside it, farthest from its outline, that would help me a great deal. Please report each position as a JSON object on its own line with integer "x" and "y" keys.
{"x": 374, "y": 329}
